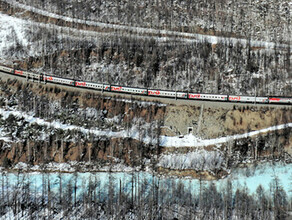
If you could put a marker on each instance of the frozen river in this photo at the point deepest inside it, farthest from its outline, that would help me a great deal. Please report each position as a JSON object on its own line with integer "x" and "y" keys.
{"x": 251, "y": 178}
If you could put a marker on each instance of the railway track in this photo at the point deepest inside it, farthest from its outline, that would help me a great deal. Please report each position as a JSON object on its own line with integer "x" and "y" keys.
{"x": 142, "y": 97}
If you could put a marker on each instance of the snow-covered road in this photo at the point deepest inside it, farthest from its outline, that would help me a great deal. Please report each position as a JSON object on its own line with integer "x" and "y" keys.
{"x": 165, "y": 141}
{"x": 192, "y": 141}
{"x": 166, "y": 34}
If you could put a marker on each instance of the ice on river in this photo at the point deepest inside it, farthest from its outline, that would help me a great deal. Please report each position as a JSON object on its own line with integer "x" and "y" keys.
{"x": 251, "y": 178}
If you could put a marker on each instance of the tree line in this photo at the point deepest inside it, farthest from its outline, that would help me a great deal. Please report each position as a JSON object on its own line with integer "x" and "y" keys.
{"x": 138, "y": 198}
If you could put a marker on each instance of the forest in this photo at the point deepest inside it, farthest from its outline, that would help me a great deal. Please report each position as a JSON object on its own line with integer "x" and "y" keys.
{"x": 140, "y": 197}
{"x": 72, "y": 154}
{"x": 238, "y": 51}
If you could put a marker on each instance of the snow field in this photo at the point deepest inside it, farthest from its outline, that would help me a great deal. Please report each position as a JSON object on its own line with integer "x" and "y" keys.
{"x": 11, "y": 28}
{"x": 198, "y": 160}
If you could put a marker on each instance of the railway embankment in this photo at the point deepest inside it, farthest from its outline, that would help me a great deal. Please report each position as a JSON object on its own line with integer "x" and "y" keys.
{"x": 44, "y": 123}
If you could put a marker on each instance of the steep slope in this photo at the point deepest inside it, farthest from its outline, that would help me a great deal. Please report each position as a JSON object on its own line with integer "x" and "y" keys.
{"x": 118, "y": 53}
{"x": 42, "y": 125}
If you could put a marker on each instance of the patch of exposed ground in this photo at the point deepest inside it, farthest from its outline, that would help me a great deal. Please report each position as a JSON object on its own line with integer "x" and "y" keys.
{"x": 215, "y": 122}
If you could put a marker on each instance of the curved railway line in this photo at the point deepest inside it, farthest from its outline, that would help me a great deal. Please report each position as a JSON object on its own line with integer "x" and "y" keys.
{"x": 175, "y": 96}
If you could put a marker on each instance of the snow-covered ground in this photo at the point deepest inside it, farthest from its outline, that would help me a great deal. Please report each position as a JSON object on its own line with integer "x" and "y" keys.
{"x": 12, "y": 32}
{"x": 193, "y": 141}
{"x": 165, "y": 141}
{"x": 3, "y": 136}
{"x": 196, "y": 160}
{"x": 20, "y": 39}
{"x": 29, "y": 118}
{"x": 74, "y": 166}
{"x": 189, "y": 37}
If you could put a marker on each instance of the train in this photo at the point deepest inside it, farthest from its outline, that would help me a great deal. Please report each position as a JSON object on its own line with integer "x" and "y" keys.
{"x": 147, "y": 92}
